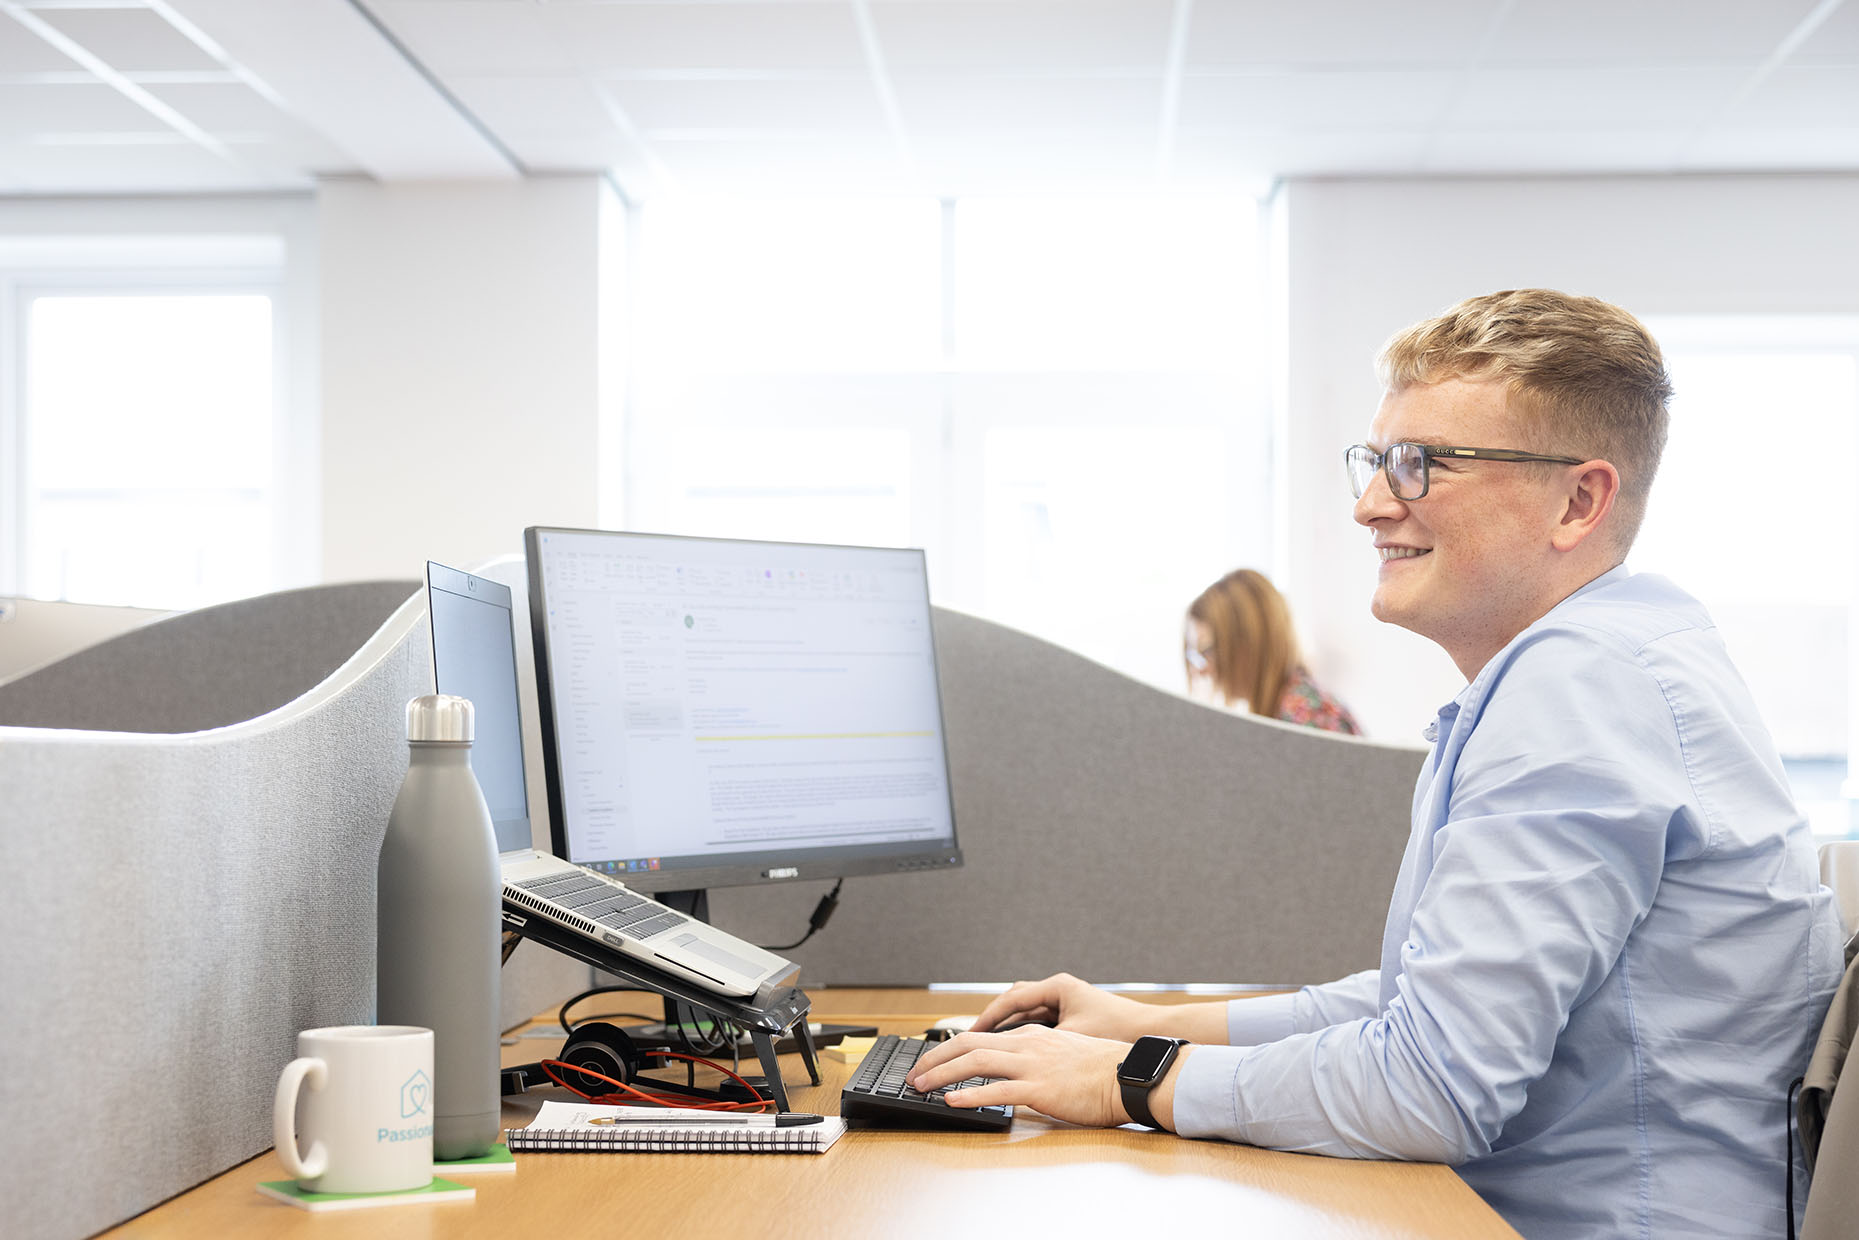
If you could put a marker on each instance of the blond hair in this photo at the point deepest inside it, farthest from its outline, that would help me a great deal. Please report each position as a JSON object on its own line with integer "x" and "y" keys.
{"x": 1254, "y": 646}
{"x": 1587, "y": 377}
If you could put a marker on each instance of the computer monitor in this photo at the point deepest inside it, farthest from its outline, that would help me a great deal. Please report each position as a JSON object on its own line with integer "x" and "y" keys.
{"x": 718, "y": 712}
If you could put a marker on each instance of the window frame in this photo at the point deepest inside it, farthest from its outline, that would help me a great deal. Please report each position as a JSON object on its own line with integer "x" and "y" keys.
{"x": 20, "y": 287}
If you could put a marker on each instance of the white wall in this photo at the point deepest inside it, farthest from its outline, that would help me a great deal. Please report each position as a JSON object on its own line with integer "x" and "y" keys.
{"x": 460, "y": 368}
{"x": 1365, "y": 258}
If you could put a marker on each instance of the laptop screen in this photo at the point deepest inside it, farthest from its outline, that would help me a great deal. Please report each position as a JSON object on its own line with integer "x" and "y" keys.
{"x": 474, "y": 656}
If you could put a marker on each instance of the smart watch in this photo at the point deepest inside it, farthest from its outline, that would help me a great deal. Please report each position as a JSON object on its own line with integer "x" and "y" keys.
{"x": 1148, "y": 1062}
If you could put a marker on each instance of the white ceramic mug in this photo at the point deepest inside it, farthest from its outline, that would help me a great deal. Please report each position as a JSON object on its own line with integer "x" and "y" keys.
{"x": 367, "y": 1109}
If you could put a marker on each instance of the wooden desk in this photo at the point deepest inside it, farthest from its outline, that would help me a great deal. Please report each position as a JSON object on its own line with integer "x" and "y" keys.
{"x": 1039, "y": 1178}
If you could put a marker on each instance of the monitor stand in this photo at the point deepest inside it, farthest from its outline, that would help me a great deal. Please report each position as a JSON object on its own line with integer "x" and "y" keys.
{"x": 670, "y": 1032}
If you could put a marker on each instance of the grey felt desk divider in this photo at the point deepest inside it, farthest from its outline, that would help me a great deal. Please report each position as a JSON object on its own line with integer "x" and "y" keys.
{"x": 188, "y": 888}
{"x": 207, "y": 668}
{"x": 179, "y": 903}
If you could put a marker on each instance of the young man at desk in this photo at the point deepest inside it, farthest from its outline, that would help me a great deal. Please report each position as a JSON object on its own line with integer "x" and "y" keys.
{"x": 1607, "y": 953}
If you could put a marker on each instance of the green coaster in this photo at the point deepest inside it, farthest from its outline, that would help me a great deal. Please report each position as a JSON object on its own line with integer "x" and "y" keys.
{"x": 497, "y": 1158}
{"x": 439, "y": 1190}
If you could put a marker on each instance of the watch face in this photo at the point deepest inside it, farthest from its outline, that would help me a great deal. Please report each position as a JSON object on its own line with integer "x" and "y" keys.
{"x": 1147, "y": 1060}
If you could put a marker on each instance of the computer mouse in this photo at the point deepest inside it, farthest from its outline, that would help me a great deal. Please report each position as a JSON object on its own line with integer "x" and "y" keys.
{"x": 948, "y": 1027}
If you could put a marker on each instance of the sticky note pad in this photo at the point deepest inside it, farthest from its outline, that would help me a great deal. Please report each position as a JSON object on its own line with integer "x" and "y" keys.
{"x": 287, "y": 1192}
{"x": 849, "y": 1050}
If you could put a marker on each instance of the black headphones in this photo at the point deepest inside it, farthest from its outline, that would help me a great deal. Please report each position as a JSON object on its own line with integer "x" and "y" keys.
{"x": 598, "y": 1047}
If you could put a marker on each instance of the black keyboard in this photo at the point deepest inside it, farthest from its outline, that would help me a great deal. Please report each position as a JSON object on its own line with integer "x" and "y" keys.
{"x": 877, "y": 1093}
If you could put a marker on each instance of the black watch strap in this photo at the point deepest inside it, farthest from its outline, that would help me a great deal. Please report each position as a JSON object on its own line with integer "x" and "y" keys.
{"x": 1156, "y": 1055}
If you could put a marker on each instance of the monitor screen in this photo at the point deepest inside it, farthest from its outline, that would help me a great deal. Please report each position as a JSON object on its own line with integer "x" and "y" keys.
{"x": 719, "y": 712}
{"x": 474, "y": 656}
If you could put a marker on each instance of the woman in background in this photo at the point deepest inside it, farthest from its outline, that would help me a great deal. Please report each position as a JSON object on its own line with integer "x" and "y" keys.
{"x": 1240, "y": 649}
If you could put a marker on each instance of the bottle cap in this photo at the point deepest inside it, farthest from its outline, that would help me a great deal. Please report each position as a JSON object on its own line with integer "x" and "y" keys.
{"x": 440, "y": 717}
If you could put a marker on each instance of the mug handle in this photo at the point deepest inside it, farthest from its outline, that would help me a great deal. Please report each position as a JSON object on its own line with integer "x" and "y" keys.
{"x": 284, "y": 1119}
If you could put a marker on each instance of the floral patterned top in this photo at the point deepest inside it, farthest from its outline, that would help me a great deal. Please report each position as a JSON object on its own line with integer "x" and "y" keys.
{"x": 1303, "y": 702}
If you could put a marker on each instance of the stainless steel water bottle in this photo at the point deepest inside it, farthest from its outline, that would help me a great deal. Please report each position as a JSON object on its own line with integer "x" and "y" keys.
{"x": 439, "y": 902}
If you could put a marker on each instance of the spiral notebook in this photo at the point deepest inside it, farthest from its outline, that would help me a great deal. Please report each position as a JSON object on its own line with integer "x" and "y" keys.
{"x": 585, "y": 1127}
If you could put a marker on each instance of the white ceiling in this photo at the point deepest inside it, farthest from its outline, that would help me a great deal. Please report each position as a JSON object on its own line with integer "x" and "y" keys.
{"x": 942, "y": 97}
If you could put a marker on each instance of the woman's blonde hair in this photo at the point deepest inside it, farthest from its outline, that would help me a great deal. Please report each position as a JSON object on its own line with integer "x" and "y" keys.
{"x": 1254, "y": 646}
{"x": 1587, "y": 378}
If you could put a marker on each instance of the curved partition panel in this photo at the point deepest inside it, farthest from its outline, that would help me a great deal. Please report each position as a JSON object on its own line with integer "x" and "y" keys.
{"x": 182, "y": 905}
{"x": 36, "y": 632}
{"x": 183, "y": 902}
{"x": 208, "y": 668}
{"x": 1118, "y": 832}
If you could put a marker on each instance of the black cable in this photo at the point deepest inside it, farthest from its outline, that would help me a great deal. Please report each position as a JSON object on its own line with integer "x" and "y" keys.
{"x": 822, "y": 913}
{"x": 562, "y": 1017}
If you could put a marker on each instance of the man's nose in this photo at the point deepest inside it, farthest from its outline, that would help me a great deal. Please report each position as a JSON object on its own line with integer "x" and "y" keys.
{"x": 1378, "y": 500}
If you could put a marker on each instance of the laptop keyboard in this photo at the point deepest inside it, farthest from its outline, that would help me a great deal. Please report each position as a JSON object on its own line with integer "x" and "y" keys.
{"x": 593, "y": 898}
{"x": 877, "y": 1092}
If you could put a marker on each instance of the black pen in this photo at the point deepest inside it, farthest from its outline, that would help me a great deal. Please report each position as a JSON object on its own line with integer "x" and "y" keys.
{"x": 785, "y": 1119}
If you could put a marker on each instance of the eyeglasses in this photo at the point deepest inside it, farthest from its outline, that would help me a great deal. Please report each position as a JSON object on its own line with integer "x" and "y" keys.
{"x": 1407, "y": 464}
{"x": 1199, "y": 657}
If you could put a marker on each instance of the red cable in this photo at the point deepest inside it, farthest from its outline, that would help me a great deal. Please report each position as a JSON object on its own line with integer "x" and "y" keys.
{"x": 622, "y": 1089}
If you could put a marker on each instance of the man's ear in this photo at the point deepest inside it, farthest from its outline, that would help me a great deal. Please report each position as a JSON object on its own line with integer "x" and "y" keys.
{"x": 1589, "y": 500}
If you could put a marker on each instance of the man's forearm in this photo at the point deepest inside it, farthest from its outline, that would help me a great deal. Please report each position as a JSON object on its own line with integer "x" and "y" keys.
{"x": 1204, "y": 1023}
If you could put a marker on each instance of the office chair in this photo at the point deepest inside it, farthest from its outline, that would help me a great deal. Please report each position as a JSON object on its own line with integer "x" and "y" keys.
{"x": 1833, "y": 1198}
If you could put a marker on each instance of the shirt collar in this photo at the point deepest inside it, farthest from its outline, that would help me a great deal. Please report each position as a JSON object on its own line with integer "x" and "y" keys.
{"x": 1449, "y": 711}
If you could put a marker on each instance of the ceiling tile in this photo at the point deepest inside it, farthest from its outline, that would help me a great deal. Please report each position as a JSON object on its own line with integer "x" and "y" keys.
{"x": 223, "y": 107}
{"x": 839, "y": 104}
{"x": 479, "y": 38}
{"x": 1350, "y": 32}
{"x": 129, "y": 39}
{"x": 141, "y": 168}
{"x": 1370, "y": 99}
{"x": 1004, "y": 101}
{"x": 1636, "y": 97}
{"x": 23, "y": 51}
{"x": 1041, "y": 34}
{"x": 533, "y": 105}
{"x": 1729, "y": 32}
{"x": 774, "y": 36}
{"x": 73, "y": 108}
{"x": 298, "y": 153}
{"x": 1835, "y": 39}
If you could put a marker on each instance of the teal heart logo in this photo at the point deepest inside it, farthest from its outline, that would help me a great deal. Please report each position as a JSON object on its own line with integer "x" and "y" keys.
{"x": 414, "y": 1094}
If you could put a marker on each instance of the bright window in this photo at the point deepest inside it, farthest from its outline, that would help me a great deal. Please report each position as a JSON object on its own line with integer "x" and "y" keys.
{"x": 1106, "y": 284}
{"x": 145, "y": 471}
{"x": 1058, "y": 399}
{"x": 1755, "y": 511}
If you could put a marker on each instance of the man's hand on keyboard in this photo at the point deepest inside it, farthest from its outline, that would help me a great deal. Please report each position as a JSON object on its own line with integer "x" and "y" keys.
{"x": 1069, "y": 1003}
{"x": 1066, "y": 1075}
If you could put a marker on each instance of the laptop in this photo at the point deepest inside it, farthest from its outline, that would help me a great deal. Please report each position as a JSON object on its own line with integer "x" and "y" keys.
{"x": 474, "y": 656}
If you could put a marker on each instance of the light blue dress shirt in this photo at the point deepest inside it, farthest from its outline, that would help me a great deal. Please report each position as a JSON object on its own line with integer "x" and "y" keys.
{"x": 1606, "y": 957}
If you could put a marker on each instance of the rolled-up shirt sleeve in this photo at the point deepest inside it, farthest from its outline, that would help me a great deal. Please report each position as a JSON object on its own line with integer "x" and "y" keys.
{"x": 1251, "y": 1022}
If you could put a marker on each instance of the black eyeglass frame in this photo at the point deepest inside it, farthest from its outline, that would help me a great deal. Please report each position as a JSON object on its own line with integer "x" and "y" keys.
{"x": 1428, "y": 454}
